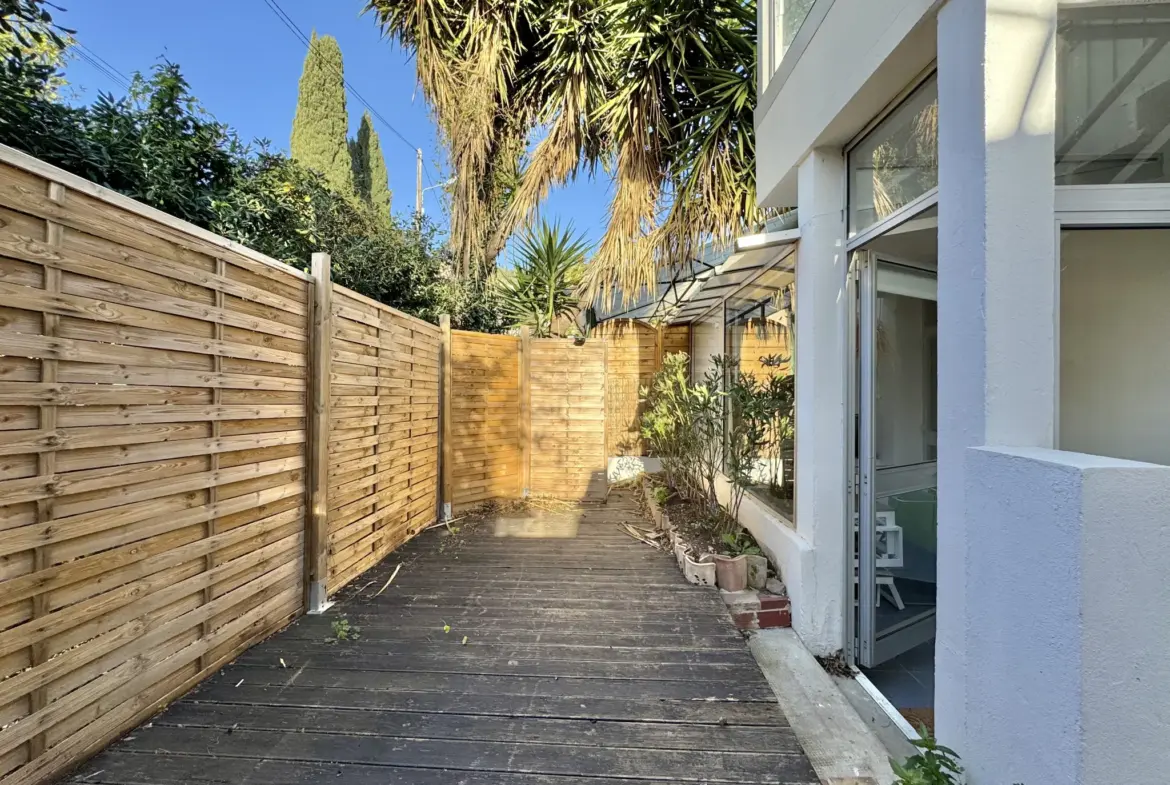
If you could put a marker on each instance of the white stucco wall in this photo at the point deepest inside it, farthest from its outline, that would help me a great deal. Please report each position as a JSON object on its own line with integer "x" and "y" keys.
{"x": 706, "y": 343}
{"x": 1066, "y": 669}
{"x": 1115, "y": 343}
{"x": 863, "y": 53}
{"x": 822, "y": 462}
{"x": 996, "y": 305}
{"x": 793, "y": 556}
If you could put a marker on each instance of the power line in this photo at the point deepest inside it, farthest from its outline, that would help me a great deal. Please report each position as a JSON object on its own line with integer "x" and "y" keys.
{"x": 102, "y": 67}
{"x": 103, "y": 61}
{"x": 304, "y": 39}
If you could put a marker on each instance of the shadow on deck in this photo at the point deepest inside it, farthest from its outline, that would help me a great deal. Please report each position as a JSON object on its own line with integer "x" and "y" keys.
{"x": 574, "y": 656}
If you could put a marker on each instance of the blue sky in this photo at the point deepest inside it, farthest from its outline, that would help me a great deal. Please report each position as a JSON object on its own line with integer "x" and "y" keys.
{"x": 243, "y": 65}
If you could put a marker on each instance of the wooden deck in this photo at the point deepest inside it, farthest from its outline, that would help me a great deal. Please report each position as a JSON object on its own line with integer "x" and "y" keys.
{"x": 575, "y": 656}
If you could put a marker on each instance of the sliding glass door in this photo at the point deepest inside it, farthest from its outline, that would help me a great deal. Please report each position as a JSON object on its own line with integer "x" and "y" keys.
{"x": 895, "y": 488}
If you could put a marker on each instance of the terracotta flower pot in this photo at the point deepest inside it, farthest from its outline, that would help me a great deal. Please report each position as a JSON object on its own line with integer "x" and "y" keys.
{"x": 731, "y": 573}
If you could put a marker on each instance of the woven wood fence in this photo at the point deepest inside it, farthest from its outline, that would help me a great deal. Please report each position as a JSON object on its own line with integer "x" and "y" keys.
{"x": 152, "y": 461}
{"x": 383, "y": 432}
{"x": 483, "y": 448}
{"x": 544, "y": 415}
{"x": 567, "y": 400}
{"x": 634, "y": 353}
{"x": 182, "y": 421}
{"x": 198, "y": 443}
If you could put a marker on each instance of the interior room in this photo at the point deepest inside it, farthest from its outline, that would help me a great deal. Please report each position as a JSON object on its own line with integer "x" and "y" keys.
{"x": 1114, "y": 323}
{"x": 905, "y": 447}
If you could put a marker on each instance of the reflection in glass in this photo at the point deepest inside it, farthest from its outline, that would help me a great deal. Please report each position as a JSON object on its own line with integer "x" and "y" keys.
{"x": 1113, "y": 88}
{"x": 897, "y": 162}
{"x": 792, "y": 14}
{"x": 905, "y": 445}
{"x": 760, "y": 340}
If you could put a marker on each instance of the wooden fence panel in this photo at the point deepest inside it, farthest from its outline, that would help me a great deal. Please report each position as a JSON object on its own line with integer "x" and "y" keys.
{"x": 484, "y": 389}
{"x": 383, "y": 432}
{"x": 567, "y": 408}
{"x": 152, "y": 461}
{"x": 634, "y": 353}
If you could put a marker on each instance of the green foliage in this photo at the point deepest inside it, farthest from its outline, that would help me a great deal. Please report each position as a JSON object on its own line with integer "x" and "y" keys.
{"x": 370, "y": 179}
{"x": 934, "y": 765}
{"x": 158, "y": 145}
{"x": 542, "y": 287}
{"x": 660, "y": 95}
{"x": 661, "y": 495}
{"x": 344, "y": 631}
{"x": 740, "y": 543}
{"x": 747, "y": 429}
{"x": 30, "y": 24}
{"x": 682, "y": 423}
{"x": 280, "y": 208}
{"x": 321, "y": 127}
{"x": 778, "y": 404}
{"x": 40, "y": 46}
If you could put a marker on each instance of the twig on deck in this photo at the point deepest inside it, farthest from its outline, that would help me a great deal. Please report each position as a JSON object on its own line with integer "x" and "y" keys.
{"x": 393, "y": 575}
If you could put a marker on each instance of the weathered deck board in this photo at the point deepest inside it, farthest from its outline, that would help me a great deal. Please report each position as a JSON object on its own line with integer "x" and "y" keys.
{"x": 587, "y": 661}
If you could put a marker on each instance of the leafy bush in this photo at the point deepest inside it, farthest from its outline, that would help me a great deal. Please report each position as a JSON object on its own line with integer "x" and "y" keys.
{"x": 159, "y": 146}
{"x": 666, "y": 421}
{"x": 934, "y": 765}
{"x": 682, "y": 423}
{"x": 746, "y": 431}
{"x": 778, "y": 411}
{"x": 740, "y": 543}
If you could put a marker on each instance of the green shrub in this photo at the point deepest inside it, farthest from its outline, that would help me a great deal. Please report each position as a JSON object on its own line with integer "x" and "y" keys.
{"x": 159, "y": 146}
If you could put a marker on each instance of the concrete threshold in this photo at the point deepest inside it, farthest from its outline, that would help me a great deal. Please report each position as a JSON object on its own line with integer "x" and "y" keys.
{"x": 843, "y": 748}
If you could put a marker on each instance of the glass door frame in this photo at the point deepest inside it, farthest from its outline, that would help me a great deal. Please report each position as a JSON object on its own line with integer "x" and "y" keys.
{"x": 864, "y": 645}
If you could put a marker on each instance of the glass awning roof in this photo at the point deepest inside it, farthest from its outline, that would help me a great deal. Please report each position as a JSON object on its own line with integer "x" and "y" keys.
{"x": 686, "y": 296}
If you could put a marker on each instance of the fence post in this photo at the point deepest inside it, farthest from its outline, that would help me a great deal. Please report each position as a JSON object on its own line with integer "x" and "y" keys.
{"x": 317, "y": 536}
{"x": 525, "y": 411}
{"x": 446, "y": 444}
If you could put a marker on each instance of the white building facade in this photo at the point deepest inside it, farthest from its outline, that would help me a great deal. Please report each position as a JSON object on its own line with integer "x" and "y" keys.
{"x": 982, "y": 358}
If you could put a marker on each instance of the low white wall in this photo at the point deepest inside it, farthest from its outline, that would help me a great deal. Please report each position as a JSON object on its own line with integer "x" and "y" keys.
{"x": 793, "y": 556}
{"x": 1067, "y": 633}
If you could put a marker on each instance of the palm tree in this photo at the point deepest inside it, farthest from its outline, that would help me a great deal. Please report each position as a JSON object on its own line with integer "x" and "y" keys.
{"x": 659, "y": 93}
{"x": 542, "y": 287}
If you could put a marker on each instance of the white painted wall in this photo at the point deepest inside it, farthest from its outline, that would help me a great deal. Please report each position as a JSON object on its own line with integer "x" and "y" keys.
{"x": 996, "y": 342}
{"x": 863, "y": 53}
{"x": 1115, "y": 343}
{"x": 706, "y": 343}
{"x": 819, "y": 589}
{"x": 1068, "y": 660}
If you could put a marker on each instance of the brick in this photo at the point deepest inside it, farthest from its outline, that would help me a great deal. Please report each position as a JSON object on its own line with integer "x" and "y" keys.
{"x": 745, "y": 621}
{"x": 774, "y": 618}
{"x": 770, "y": 602}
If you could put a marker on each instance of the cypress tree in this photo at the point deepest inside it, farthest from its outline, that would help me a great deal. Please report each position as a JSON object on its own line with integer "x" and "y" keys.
{"x": 321, "y": 126}
{"x": 370, "y": 178}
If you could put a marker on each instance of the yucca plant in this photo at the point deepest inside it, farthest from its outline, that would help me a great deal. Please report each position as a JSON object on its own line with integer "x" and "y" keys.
{"x": 542, "y": 287}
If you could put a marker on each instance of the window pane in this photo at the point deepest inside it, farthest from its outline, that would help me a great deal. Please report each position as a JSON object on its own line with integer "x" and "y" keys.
{"x": 760, "y": 342}
{"x": 1113, "y": 83}
{"x": 1114, "y": 357}
{"x": 792, "y": 15}
{"x": 897, "y": 162}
